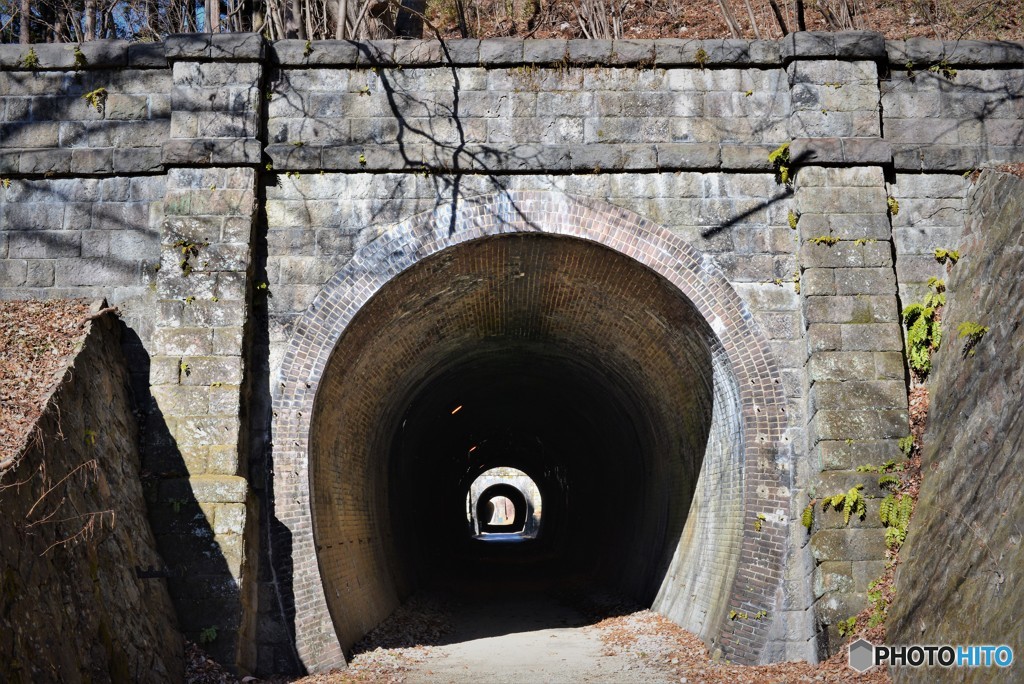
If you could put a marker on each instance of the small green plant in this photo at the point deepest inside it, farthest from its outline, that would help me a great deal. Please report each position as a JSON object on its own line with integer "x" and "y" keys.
{"x": 270, "y": 96}
{"x": 947, "y": 255}
{"x": 793, "y": 219}
{"x": 209, "y": 634}
{"x": 6, "y": 182}
{"x": 362, "y": 159}
{"x": 761, "y": 614}
{"x": 216, "y": 384}
{"x": 847, "y": 626}
{"x": 894, "y": 513}
{"x": 889, "y": 466}
{"x": 923, "y": 331}
{"x": 30, "y": 60}
{"x": 826, "y": 240}
{"x": 888, "y": 481}
{"x": 365, "y": 90}
{"x": 860, "y": 242}
{"x": 850, "y": 503}
{"x": 748, "y": 93}
{"x": 759, "y": 521}
{"x": 90, "y": 437}
{"x": 944, "y": 69}
{"x": 779, "y": 158}
{"x": 701, "y": 57}
{"x": 269, "y": 166}
{"x": 298, "y": 143}
{"x": 176, "y": 504}
{"x": 263, "y": 287}
{"x": 185, "y": 368}
{"x": 189, "y": 299}
{"x": 308, "y": 49}
{"x": 879, "y": 604}
{"x": 737, "y": 615}
{"x": 971, "y": 333}
{"x": 807, "y": 517}
{"x": 80, "y": 61}
{"x": 189, "y": 250}
{"x": 292, "y": 174}
{"x": 894, "y": 206}
{"x": 97, "y": 99}
{"x": 909, "y": 66}
{"x": 905, "y": 444}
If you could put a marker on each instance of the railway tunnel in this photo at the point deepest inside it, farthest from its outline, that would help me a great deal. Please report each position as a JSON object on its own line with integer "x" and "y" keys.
{"x": 559, "y": 357}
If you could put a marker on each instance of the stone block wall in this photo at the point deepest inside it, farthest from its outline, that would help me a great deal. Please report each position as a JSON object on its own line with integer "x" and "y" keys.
{"x": 95, "y": 608}
{"x": 277, "y": 163}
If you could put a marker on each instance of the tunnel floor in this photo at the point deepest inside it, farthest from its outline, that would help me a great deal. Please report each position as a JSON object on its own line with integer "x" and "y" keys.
{"x": 551, "y": 631}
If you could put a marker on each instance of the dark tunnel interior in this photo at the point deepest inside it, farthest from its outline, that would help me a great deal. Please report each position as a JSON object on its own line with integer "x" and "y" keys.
{"x": 551, "y": 355}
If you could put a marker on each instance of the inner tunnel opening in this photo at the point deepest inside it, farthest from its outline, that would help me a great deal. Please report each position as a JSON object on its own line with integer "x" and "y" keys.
{"x": 550, "y": 356}
{"x": 503, "y": 505}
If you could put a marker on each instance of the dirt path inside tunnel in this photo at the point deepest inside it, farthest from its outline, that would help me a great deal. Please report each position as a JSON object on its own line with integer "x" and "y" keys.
{"x": 550, "y": 637}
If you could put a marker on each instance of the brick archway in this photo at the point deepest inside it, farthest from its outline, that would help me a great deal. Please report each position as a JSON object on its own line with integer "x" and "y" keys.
{"x": 746, "y": 567}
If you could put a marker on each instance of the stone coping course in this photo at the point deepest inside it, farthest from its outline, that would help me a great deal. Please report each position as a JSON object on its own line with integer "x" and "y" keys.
{"x": 505, "y": 52}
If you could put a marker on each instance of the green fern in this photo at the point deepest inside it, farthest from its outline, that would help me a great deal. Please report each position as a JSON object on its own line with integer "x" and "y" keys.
{"x": 807, "y": 518}
{"x": 923, "y": 332}
{"x": 971, "y": 333}
{"x": 888, "y": 481}
{"x": 850, "y": 503}
{"x": 895, "y": 515}
{"x": 906, "y": 444}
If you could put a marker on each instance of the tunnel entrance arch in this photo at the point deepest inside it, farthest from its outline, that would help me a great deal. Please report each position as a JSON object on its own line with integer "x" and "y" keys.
{"x": 629, "y": 333}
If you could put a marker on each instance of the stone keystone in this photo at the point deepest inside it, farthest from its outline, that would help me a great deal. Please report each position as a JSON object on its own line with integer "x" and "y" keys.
{"x": 862, "y": 655}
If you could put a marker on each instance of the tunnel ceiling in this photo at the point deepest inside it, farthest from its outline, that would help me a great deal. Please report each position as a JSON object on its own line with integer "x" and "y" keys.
{"x": 610, "y": 386}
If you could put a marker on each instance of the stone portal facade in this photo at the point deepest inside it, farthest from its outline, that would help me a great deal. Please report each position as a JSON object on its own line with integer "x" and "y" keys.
{"x": 230, "y": 196}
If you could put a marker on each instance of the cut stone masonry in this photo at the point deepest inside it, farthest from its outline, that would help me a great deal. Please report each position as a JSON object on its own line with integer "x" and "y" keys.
{"x": 217, "y": 161}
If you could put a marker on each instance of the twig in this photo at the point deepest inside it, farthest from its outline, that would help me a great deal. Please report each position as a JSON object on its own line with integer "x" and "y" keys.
{"x": 730, "y": 19}
{"x": 778, "y": 17}
{"x": 753, "y": 20}
{"x": 91, "y": 463}
{"x": 101, "y": 312}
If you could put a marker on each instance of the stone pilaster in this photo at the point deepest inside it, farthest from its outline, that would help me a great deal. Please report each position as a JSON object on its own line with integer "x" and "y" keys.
{"x": 857, "y": 401}
{"x": 205, "y": 507}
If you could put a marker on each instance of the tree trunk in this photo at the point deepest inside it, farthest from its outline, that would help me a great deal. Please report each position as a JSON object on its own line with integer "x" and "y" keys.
{"x": 90, "y": 20}
{"x": 295, "y": 27}
{"x": 25, "y": 23}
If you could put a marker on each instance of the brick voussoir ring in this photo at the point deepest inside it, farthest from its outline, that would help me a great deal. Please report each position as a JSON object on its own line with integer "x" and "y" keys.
{"x": 406, "y": 244}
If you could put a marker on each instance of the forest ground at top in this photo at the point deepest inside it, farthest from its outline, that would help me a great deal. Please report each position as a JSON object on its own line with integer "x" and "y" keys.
{"x": 895, "y": 19}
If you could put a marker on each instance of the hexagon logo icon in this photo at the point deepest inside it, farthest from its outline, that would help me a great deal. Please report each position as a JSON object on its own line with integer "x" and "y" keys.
{"x": 862, "y": 655}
